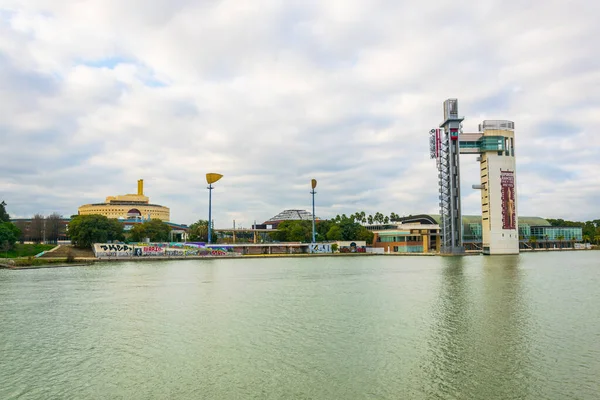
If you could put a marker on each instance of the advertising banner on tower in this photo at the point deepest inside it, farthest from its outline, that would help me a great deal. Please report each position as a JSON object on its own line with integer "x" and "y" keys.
{"x": 507, "y": 185}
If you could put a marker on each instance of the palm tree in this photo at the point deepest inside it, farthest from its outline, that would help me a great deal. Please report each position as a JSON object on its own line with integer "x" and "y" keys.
{"x": 586, "y": 238}
{"x": 597, "y": 239}
{"x": 532, "y": 241}
{"x": 560, "y": 240}
{"x": 370, "y": 219}
{"x": 546, "y": 237}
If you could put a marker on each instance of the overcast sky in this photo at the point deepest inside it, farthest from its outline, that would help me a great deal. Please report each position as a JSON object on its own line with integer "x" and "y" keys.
{"x": 97, "y": 94}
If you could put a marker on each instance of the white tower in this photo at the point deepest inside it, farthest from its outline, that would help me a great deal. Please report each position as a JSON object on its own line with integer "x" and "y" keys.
{"x": 500, "y": 225}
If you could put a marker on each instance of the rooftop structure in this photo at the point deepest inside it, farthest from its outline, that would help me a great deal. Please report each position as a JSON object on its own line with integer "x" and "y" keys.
{"x": 128, "y": 206}
{"x": 290, "y": 215}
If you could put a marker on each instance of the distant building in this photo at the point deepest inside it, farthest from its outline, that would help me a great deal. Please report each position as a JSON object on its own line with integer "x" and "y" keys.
{"x": 42, "y": 230}
{"x": 128, "y": 206}
{"x": 285, "y": 215}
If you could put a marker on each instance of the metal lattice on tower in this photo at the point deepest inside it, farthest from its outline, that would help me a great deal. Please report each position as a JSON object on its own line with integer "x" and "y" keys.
{"x": 444, "y": 147}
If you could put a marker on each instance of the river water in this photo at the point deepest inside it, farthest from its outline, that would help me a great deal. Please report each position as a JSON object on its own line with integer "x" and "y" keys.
{"x": 500, "y": 327}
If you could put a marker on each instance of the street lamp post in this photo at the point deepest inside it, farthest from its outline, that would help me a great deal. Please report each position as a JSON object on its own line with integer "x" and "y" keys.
{"x": 210, "y": 179}
{"x": 313, "y": 184}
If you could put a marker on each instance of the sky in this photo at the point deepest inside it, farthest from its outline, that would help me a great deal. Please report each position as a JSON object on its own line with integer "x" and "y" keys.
{"x": 97, "y": 94}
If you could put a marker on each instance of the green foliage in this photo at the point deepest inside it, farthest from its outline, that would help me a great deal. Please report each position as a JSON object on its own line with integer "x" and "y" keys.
{"x": 9, "y": 234}
{"x": 335, "y": 233}
{"x": 199, "y": 231}
{"x": 155, "y": 230}
{"x": 341, "y": 227}
{"x": 85, "y": 230}
{"x": 26, "y": 250}
{"x": 4, "y": 217}
{"x": 293, "y": 231}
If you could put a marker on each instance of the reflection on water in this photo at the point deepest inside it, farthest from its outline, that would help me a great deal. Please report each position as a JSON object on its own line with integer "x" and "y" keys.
{"x": 514, "y": 327}
{"x": 477, "y": 343}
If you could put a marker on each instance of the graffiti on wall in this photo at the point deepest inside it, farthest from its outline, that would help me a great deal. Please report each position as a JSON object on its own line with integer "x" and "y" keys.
{"x": 353, "y": 248}
{"x": 107, "y": 250}
{"x": 319, "y": 248}
{"x": 112, "y": 250}
{"x": 507, "y": 185}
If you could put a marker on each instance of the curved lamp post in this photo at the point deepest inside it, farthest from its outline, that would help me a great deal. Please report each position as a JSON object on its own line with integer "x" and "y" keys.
{"x": 210, "y": 179}
{"x": 313, "y": 184}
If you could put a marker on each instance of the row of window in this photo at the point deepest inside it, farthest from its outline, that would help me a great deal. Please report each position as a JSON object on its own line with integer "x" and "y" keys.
{"x": 398, "y": 239}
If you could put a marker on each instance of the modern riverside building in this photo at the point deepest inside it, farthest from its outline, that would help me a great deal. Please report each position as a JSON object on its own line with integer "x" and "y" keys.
{"x": 406, "y": 237}
{"x": 534, "y": 232}
{"x": 128, "y": 206}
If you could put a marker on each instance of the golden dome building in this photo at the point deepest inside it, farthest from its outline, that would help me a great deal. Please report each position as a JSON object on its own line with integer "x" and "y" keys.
{"x": 128, "y": 206}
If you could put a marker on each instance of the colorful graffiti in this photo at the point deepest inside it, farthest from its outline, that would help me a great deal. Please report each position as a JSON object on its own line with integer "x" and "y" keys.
{"x": 319, "y": 248}
{"x": 353, "y": 248}
{"x": 165, "y": 250}
{"x": 507, "y": 185}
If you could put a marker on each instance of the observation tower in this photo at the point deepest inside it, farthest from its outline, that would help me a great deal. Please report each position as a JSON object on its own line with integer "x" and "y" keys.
{"x": 494, "y": 145}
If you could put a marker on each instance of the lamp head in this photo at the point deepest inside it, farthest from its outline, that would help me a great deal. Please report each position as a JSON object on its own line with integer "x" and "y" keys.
{"x": 212, "y": 177}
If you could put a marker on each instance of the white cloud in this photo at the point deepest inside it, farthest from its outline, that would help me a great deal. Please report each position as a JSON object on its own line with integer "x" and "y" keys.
{"x": 98, "y": 94}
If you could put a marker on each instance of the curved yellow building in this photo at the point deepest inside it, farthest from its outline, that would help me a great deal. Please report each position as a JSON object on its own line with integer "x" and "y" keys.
{"x": 128, "y": 206}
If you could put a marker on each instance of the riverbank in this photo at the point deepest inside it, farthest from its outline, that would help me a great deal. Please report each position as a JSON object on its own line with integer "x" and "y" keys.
{"x": 59, "y": 262}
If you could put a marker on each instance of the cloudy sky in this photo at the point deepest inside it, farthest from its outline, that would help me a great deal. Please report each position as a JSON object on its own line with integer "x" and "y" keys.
{"x": 96, "y": 94}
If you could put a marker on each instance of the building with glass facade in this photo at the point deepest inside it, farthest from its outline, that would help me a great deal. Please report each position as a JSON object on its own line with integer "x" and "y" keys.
{"x": 406, "y": 238}
{"x": 534, "y": 232}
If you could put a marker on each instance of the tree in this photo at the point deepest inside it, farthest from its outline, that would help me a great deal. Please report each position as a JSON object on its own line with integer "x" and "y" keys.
{"x": 378, "y": 217}
{"x": 9, "y": 234}
{"x": 199, "y": 231}
{"x": 155, "y": 230}
{"x": 36, "y": 229}
{"x": 88, "y": 229}
{"x": 370, "y": 219}
{"x": 532, "y": 241}
{"x": 4, "y": 217}
{"x": 363, "y": 217}
{"x": 22, "y": 225}
{"x": 386, "y": 220}
{"x": 334, "y": 233}
{"x": 365, "y": 234}
{"x": 560, "y": 240}
{"x": 53, "y": 227}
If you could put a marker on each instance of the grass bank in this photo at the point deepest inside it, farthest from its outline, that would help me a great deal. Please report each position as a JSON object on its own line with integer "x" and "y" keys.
{"x": 26, "y": 250}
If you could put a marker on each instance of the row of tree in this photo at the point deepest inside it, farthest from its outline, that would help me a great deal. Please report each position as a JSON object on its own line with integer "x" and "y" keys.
{"x": 85, "y": 230}
{"x": 378, "y": 218}
{"x": 339, "y": 228}
{"x": 42, "y": 229}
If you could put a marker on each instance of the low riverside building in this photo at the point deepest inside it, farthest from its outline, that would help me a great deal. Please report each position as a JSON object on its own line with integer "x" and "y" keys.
{"x": 534, "y": 232}
{"x": 406, "y": 238}
{"x": 128, "y": 206}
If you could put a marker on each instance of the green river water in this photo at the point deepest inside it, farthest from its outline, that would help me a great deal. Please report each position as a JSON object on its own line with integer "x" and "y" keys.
{"x": 381, "y": 327}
